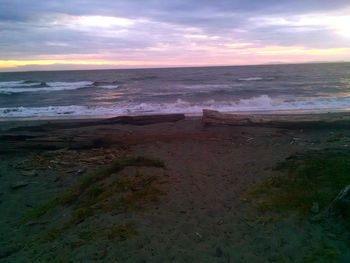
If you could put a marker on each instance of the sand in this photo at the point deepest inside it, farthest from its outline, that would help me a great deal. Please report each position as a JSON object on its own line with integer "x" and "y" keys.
{"x": 203, "y": 214}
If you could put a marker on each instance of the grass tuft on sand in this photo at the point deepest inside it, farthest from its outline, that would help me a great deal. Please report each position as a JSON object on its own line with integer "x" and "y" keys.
{"x": 92, "y": 194}
{"x": 305, "y": 180}
{"x": 121, "y": 232}
{"x": 40, "y": 210}
{"x": 103, "y": 173}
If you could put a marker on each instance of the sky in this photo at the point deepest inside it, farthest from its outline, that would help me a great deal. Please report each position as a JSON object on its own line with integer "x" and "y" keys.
{"x": 83, "y": 34}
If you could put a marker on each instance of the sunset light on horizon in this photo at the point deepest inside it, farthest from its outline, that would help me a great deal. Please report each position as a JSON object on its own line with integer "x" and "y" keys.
{"x": 125, "y": 34}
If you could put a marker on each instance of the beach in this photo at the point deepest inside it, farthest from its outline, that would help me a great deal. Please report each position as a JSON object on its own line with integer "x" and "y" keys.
{"x": 174, "y": 131}
{"x": 175, "y": 191}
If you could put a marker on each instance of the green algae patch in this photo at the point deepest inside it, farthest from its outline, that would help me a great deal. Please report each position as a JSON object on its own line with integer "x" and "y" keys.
{"x": 303, "y": 181}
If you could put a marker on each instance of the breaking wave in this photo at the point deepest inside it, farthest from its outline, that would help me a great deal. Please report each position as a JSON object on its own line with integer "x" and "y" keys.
{"x": 254, "y": 104}
{"x": 256, "y": 78}
{"x": 10, "y": 87}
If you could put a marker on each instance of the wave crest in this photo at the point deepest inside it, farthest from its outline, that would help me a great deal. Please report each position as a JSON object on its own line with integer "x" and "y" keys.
{"x": 10, "y": 87}
{"x": 256, "y": 78}
{"x": 254, "y": 104}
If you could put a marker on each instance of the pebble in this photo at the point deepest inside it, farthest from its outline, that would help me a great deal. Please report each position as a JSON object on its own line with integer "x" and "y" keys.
{"x": 77, "y": 172}
{"x": 220, "y": 222}
{"x": 80, "y": 171}
{"x": 198, "y": 237}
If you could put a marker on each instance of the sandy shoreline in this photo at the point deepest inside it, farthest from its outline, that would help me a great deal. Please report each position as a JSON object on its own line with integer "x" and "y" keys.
{"x": 202, "y": 214}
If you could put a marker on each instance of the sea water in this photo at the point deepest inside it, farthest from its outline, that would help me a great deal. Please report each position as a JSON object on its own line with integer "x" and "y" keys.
{"x": 103, "y": 93}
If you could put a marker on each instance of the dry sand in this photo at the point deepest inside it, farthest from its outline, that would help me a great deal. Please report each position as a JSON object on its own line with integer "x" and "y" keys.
{"x": 203, "y": 215}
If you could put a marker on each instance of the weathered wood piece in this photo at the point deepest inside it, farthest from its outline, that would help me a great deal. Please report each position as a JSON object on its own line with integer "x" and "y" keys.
{"x": 212, "y": 117}
{"x": 131, "y": 120}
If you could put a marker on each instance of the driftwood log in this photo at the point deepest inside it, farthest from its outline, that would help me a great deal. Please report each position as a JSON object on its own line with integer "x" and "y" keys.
{"x": 131, "y": 120}
{"x": 212, "y": 117}
{"x": 143, "y": 120}
{"x": 54, "y": 135}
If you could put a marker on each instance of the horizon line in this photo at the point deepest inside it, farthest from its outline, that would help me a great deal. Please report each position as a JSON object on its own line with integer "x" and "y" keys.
{"x": 175, "y": 67}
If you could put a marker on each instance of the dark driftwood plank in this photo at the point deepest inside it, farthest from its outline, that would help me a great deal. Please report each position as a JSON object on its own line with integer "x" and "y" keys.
{"x": 49, "y": 136}
{"x": 144, "y": 120}
{"x": 131, "y": 120}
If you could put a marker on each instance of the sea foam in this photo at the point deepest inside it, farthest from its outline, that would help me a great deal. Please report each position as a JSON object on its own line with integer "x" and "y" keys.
{"x": 255, "y": 104}
{"x": 10, "y": 87}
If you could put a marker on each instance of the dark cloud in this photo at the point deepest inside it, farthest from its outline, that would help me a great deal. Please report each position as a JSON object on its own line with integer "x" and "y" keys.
{"x": 27, "y": 29}
{"x": 175, "y": 10}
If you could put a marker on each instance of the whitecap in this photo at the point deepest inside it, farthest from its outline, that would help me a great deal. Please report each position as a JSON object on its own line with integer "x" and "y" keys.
{"x": 11, "y": 87}
{"x": 256, "y": 78}
{"x": 261, "y": 103}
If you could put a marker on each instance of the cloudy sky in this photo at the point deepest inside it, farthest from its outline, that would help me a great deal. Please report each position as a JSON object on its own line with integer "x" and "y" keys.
{"x": 74, "y": 34}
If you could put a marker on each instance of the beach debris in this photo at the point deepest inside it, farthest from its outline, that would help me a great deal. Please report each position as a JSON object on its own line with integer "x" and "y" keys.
{"x": 294, "y": 140}
{"x": 220, "y": 222}
{"x": 198, "y": 235}
{"x": 77, "y": 171}
{"x": 19, "y": 185}
{"x": 144, "y": 120}
{"x": 212, "y": 117}
{"x": 80, "y": 171}
{"x": 248, "y": 139}
{"x": 339, "y": 206}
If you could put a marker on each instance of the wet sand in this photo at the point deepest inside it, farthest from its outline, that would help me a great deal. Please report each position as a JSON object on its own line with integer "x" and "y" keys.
{"x": 202, "y": 215}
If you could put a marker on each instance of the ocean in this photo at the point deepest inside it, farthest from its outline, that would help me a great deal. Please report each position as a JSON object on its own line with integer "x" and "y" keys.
{"x": 104, "y": 93}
